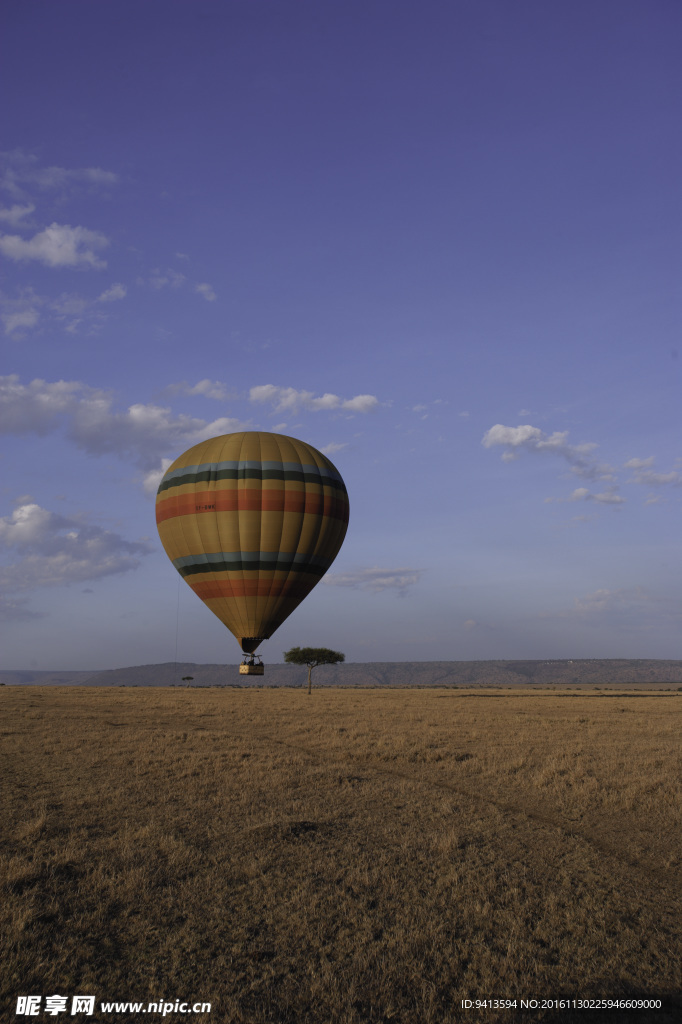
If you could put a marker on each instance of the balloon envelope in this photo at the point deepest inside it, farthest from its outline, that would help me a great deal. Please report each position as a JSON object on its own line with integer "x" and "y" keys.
{"x": 252, "y": 521}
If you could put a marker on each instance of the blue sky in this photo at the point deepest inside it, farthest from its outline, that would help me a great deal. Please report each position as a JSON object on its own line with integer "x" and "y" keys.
{"x": 438, "y": 241}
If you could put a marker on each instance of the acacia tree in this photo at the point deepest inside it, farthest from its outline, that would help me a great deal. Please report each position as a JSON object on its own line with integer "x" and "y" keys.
{"x": 312, "y": 657}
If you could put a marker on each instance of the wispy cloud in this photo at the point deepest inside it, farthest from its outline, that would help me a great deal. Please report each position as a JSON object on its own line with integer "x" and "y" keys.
{"x": 644, "y": 474}
{"x": 208, "y": 388}
{"x": 14, "y": 215}
{"x": 20, "y": 320}
{"x": 334, "y": 446}
{"x": 159, "y": 279}
{"x": 376, "y": 580}
{"x": 629, "y": 609}
{"x": 621, "y": 607}
{"x": 59, "y": 245}
{"x": 69, "y": 310}
{"x": 525, "y": 437}
{"x": 531, "y": 439}
{"x": 608, "y": 497}
{"x": 604, "y": 600}
{"x": 69, "y": 304}
{"x": 21, "y": 174}
{"x": 113, "y": 294}
{"x": 20, "y": 314}
{"x": 291, "y": 400}
{"x": 206, "y": 291}
{"x": 15, "y": 608}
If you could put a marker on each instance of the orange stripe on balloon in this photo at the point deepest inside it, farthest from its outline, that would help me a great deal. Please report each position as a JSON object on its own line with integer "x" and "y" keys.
{"x": 251, "y": 500}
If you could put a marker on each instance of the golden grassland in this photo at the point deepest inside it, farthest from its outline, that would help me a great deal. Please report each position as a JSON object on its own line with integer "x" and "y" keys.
{"x": 349, "y": 857}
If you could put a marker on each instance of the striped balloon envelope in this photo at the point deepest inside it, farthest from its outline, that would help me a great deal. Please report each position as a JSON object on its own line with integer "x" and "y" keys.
{"x": 252, "y": 521}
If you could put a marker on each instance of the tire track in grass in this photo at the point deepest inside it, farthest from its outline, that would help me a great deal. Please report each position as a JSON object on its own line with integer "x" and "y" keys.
{"x": 516, "y": 813}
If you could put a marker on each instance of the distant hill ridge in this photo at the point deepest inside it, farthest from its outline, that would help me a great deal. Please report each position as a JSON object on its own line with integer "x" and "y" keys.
{"x": 590, "y": 672}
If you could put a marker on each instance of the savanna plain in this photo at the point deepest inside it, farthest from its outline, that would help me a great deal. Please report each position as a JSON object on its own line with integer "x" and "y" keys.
{"x": 354, "y": 856}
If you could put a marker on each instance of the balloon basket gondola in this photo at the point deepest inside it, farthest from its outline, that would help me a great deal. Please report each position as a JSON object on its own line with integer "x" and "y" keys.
{"x": 251, "y": 667}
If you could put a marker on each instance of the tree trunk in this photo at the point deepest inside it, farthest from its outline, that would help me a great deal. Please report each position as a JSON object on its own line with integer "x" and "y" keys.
{"x": 310, "y": 681}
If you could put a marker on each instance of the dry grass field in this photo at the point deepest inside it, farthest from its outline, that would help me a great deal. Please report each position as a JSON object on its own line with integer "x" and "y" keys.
{"x": 352, "y": 857}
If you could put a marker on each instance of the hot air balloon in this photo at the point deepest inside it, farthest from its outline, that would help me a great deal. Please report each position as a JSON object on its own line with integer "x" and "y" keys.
{"x": 252, "y": 521}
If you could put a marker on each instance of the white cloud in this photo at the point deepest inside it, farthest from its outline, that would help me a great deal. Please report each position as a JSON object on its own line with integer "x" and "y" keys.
{"x": 609, "y": 497}
{"x": 593, "y": 471}
{"x": 58, "y": 177}
{"x": 20, "y": 171}
{"x": 35, "y": 407}
{"x": 144, "y": 433}
{"x": 206, "y": 291}
{"x": 361, "y": 403}
{"x": 20, "y": 319}
{"x": 56, "y": 550}
{"x": 168, "y": 278}
{"x": 21, "y": 313}
{"x": 291, "y": 400}
{"x": 531, "y": 439}
{"x": 72, "y": 310}
{"x": 14, "y": 609}
{"x": 153, "y": 478}
{"x": 375, "y": 579}
{"x": 625, "y": 608}
{"x": 68, "y": 304}
{"x": 606, "y": 497}
{"x": 208, "y": 388}
{"x": 607, "y": 600}
{"x": 25, "y": 527}
{"x": 117, "y": 291}
{"x": 59, "y": 245}
{"x": 330, "y": 449}
{"x": 656, "y": 479}
{"x": 644, "y": 474}
{"x": 13, "y": 215}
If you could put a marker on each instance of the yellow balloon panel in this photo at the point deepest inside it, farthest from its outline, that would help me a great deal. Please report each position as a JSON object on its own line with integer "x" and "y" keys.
{"x": 252, "y": 521}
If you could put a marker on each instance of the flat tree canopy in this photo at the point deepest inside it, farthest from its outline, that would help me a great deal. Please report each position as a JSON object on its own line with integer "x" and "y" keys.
{"x": 312, "y": 657}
